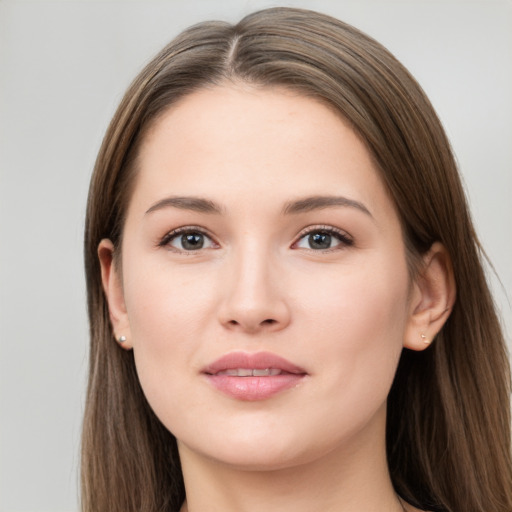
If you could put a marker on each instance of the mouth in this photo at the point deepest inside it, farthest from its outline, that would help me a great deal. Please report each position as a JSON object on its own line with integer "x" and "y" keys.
{"x": 250, "y": 377}
{"x": 255, "y": 372}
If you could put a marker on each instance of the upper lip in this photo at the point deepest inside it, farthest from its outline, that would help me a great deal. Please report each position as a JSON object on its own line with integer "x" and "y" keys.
{"x": 255, "y": 361}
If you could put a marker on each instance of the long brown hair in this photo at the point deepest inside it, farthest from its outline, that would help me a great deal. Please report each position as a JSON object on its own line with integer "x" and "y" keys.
{"x": 448, "y": 427}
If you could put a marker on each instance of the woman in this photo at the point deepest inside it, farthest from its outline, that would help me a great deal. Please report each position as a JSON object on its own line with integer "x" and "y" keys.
{"x": 278, "y": 240}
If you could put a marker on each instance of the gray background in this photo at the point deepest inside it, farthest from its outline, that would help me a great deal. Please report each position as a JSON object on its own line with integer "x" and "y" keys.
{"x": 63, "y": 68}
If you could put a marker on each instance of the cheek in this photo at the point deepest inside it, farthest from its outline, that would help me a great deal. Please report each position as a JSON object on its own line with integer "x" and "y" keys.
{"x": 165, "y": 303}
{"x": 363, "y": 312}
{"x": 167, "y": 312}
{"x": 362, "y": 298}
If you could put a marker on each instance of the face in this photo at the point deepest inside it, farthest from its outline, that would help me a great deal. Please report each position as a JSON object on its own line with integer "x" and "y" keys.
{"x": 264, "y": 286}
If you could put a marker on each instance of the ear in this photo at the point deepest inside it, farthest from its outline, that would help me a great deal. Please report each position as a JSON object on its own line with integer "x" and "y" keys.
{"x": 113, "y": 288}
{"x": 432, "y": 298}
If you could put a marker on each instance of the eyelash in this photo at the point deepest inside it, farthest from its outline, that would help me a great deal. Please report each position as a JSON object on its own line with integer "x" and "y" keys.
{"x": 344, "y": 239}
{"x": 169, "y": 237}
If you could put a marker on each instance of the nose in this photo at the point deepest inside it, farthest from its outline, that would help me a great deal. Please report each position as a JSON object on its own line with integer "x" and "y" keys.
{"x": 254, "y": 300}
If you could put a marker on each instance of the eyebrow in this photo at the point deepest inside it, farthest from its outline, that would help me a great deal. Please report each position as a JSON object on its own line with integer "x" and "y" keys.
{"x": 307, "y": 204}
{"x": 312, "y": 203}
{"x": 196, "y": 204}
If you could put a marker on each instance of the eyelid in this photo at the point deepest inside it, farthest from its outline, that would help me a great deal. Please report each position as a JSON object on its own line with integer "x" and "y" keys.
{"x": 170, "y": 235}
{"x": 345, "y": 238}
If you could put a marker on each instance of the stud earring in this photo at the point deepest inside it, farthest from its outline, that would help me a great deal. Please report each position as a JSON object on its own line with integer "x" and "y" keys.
{"x": 425, "y": 339}
{"x": 121, "y": 339}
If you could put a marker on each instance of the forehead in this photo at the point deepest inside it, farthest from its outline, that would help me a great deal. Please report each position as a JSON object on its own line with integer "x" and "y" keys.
{"x": 269, "y": 142}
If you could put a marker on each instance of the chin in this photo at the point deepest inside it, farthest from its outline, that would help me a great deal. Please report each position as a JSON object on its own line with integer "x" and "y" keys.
{"x": 257, "y": 460}
{"x": 255, "y": 451}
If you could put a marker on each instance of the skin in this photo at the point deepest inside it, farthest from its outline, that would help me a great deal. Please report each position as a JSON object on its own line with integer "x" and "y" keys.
{"x": 343, "y": 313}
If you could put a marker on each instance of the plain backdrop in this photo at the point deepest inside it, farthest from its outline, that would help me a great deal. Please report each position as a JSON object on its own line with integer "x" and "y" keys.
{"x": 63, "y": 68}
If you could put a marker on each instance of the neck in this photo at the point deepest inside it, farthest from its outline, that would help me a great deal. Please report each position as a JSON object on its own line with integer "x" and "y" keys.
{"x": 348, "y": 479}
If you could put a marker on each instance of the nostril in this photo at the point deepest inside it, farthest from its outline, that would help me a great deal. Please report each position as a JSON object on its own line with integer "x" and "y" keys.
{"x": 269, "y": 321}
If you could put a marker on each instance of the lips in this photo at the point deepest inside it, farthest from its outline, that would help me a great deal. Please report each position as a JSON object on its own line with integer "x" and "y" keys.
{"x": 250, "y": 377}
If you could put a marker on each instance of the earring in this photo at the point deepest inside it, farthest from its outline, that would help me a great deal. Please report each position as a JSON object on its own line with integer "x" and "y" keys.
{"x": 425, "y": 339}
{"x": 121, "y": 339}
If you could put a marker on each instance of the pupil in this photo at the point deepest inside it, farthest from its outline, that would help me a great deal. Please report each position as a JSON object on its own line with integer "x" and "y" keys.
{"x": 192, "y": 241}
{"x": 320, "y": 241}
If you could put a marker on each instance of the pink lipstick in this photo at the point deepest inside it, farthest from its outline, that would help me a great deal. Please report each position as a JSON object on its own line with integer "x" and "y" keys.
{"x": 253, "y": 377}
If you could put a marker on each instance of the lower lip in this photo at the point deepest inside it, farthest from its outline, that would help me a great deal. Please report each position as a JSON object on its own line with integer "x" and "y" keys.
{"x": 254, "y": 388}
